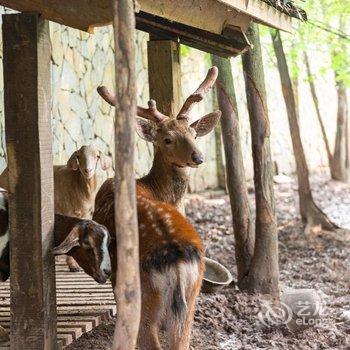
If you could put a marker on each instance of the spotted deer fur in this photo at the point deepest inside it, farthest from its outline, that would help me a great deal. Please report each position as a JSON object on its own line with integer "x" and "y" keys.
{"x": 171, "y": 266}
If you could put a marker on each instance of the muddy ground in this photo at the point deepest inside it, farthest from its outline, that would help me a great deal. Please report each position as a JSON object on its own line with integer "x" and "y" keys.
{"x": 321, "y": 260}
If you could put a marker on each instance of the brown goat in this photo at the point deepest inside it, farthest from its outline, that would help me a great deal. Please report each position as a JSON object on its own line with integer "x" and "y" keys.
{"x": 174, "y": 143}
{"x": 171, "y": 266}
{"x": 85, "y": 240}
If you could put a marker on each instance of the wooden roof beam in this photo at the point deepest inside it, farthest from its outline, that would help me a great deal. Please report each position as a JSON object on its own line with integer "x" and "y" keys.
{"x": 209, "y": 15}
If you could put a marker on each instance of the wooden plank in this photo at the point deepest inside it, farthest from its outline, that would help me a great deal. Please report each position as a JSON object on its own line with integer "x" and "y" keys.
{"x": 82, "y": 305}
{"x": 209, "y": 15}
{"x": 74, "y": 332}
{"x": 164, "y": 75}
{"x": 29, "y": 147}
{"x": 210, "y": 25}
{"x": 262, "y": 13}
{"x": 231, "y": 42}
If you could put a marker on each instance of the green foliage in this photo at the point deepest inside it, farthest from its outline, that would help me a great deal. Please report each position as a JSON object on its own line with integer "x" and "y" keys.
{"x": 326, "y": 34}
{"x": 184, "y": 50}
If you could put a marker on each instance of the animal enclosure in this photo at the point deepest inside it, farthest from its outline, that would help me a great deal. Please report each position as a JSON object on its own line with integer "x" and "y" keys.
{"x": 228, "y": 30}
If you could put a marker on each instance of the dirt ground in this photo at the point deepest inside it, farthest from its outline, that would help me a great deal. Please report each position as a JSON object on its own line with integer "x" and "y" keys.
{"x": 228, "y": 319}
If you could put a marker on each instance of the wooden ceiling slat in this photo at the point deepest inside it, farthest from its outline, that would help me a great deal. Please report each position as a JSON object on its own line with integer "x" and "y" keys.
{"x": 215, "y": 26}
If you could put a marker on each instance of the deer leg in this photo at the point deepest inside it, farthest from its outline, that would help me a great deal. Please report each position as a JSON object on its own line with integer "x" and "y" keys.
{"x": 72, "y": 264}
{"x": 180, "y": 332}
{"x": 151, "y": 311}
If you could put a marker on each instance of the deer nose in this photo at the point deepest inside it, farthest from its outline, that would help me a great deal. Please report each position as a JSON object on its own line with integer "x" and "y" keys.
{"x": 197, "y": 158}
{"x": 88, "y": 171}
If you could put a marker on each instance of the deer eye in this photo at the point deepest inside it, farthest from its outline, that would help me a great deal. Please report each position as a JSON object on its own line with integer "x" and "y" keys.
{"x": 98, "y": 157}
{"x": 167, "y": 141}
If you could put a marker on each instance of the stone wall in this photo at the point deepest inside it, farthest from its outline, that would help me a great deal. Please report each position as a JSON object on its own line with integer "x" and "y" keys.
{"x": 81, "y": 62}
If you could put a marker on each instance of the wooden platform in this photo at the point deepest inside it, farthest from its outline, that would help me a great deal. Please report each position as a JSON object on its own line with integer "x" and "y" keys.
{"x": 82, "y": 304}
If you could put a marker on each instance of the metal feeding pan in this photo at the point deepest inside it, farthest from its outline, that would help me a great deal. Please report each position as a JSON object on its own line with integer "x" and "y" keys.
{"x": 216, "y": 276}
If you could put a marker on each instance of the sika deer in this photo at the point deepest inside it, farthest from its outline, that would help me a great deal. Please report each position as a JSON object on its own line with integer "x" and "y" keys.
{"x": 171, "y": 266}
{"x": 174, "y": 143}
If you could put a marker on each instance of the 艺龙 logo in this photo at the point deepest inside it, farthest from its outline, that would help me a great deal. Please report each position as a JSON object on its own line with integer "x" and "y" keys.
{"x": 275, "y": 315}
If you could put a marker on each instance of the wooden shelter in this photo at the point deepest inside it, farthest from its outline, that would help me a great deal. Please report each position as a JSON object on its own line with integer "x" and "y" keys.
{"x": 216, "y": 26}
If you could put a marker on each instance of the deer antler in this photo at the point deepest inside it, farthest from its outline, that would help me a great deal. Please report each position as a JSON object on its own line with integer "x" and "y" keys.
{"x": 107, "y": 95}
{"x": 199, "y": 94}
{"x": 150, "y": 113}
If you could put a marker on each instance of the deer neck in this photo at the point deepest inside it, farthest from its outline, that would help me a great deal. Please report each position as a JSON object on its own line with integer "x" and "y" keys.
{"x": 167, "y": 182}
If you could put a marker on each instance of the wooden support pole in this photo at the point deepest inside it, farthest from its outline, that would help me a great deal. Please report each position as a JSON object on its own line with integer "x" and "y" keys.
{"x": 243, "y": 227}
{"x": 127, "y": 289}
{"x": 164, "y": 75}
{"x": 263, "y": 275}
{"x": 29, "y": 148}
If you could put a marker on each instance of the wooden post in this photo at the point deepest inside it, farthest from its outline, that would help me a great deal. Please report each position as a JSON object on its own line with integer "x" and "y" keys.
{"x": 264, "y": 273}
{"x": 28, "y": 135}
{"x": 164, "y": 75}
{"x": 127, "y": 289}
{"x": 243, "y": 226}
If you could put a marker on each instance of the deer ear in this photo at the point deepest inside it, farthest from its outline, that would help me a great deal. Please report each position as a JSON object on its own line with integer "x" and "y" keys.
{"x": 73, "y": 161}
{"x": 106, "y": 162}
{"x": 146, "y": 129}
{"x": 71, "y": 241}
{"x": 206, "y": 124}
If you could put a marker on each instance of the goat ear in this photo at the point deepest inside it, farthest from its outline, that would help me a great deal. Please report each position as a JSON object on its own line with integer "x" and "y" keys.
{"x": 206, "y": 124}
{"x": 71, "y": 241}
{"x": 145, "y": 129}
{"x": 106, "y": 162}
{"x": 73, "y": 161}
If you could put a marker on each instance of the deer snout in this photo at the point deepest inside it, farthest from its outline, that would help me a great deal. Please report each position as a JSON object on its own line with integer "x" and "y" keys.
{"x": 197, "y": 158}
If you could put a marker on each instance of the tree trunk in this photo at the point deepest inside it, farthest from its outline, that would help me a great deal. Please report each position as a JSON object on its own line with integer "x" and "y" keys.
{"x": 316, "y": 104}
{"x": 309, "y": 212}
{"x": 263, "y": 274}
{"x": 127, "y": 289}
{"x": 236, "y": 182}
{"x": 347, "y": 144}
{"x": 220, "y": 166}
{"x": 339, "y": 168}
